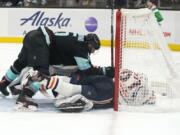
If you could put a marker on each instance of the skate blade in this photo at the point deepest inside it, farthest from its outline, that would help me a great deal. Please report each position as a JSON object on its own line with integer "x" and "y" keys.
{"x": 71, "y": 109}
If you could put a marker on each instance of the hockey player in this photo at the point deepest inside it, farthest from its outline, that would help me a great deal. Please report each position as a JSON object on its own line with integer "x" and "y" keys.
{"x": 42, "y": 47}
{"x": 72, "y": 94}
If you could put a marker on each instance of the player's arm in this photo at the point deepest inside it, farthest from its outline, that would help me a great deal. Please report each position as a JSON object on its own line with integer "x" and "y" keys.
{"x": 85, "y": 67}
{"x": 107, "y": 71}
{"x": 155, "y": 10}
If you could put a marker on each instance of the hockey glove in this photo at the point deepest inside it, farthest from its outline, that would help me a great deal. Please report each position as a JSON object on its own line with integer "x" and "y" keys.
{"x": 108, "y": 71}
{"x": 32, "y": 76}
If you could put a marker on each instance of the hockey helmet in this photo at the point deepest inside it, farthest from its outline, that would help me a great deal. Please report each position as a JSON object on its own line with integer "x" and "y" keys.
{"x": 93, "y": 40}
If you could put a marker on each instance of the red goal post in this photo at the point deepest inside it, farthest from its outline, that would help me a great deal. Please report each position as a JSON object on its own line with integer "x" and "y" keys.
{"x": 117, "y": 59}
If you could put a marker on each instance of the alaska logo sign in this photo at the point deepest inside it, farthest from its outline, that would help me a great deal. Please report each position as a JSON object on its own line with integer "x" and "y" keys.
{"x": 40, "y": 19}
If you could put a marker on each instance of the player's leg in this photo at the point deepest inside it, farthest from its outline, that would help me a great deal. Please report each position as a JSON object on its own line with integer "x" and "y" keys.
{"x": 100, "y": 91}
{"x": 38, "y": 52}
{"x": 17, "y": 66}
{"x": 68, "y": 96}
{"x": 13, "y": 72}
{"x": 34, "y": 53}
{"x": 30, "y": 86}
{"x": 97, "y": 91}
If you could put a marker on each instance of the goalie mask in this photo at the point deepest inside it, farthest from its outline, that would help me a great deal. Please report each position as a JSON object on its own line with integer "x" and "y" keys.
{"x": 134, "y": 88}
{"x": 93, "y": 42}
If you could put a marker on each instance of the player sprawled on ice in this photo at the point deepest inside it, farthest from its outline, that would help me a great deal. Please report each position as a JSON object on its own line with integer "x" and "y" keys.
{"x": 82, "y": 92}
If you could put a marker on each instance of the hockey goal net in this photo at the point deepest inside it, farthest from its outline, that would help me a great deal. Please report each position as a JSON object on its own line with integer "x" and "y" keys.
{"x": 146, "y": 78}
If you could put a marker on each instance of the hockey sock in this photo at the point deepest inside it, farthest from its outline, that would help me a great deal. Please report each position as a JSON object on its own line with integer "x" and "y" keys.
{"x": 11, "y": 74}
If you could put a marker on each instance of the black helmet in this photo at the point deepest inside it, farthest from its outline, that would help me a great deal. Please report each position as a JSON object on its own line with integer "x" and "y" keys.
{"x": 93, "y": 39}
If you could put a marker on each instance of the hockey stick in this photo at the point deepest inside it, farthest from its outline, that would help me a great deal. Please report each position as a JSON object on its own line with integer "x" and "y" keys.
{"x": 112, "y": 33}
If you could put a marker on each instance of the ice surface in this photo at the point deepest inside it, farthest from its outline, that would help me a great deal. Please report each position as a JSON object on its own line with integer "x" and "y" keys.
{"x": 100, "y": 122}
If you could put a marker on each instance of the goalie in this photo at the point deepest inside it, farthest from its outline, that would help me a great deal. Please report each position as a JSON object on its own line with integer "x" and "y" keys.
{"x": 82, "y": 93}
{"x": 71, "y": 94}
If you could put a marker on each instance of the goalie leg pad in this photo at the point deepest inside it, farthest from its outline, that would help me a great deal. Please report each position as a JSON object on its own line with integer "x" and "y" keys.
{"x": 71, "y": 107}
{"x": 76, "y": 103}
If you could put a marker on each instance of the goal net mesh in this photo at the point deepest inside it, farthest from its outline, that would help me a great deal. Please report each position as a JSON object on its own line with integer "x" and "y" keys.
{"x": 146, "y": 78}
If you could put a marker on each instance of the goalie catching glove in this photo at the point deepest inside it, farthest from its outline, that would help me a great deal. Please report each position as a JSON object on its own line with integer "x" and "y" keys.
{"x": 134, "y": 89}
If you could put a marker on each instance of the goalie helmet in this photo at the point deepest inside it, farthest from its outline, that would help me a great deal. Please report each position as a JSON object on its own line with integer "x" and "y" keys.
{"x": 93, "y": 40}
{"x": 134, "y": 88}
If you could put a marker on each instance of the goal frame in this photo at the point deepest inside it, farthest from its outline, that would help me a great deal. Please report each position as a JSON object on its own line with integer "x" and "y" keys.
{"x": 118, "y": 57}
{"x": 170, "y": 82}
